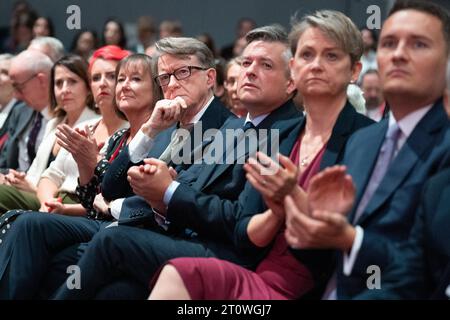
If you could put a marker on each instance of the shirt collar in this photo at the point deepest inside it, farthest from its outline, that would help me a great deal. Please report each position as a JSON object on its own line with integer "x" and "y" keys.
{"x": 256, "y": 120}
{"x": 199, "y": 114}
{"x": 408, "y": 123}
{"x": 46, "y": 113}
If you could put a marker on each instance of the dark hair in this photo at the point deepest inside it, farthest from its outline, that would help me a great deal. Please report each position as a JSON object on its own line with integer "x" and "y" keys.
{"x": 123, "y": 39}
{"x": 430, "y": 8}
{"x": 144, "y": 61}
{"x": 270, "y": 33}
{"x": 77, "y": 36}
{"x": 374, "y": 35}
{"x": 50, "y": 25}
{"x": 77, "y": 65}
{"x": 207, "y": 39}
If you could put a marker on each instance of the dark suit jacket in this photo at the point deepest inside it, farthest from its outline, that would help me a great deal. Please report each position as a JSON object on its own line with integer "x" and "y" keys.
{"x": 421, "y": 267}
{"x": 19, "y": 119}
{"x": 4, "y": 134}
{"x": 210, "y": 204}
{"x": 115, "y": 184}
{"x": 319, "y": 262}
{"x": 389, "y": 215}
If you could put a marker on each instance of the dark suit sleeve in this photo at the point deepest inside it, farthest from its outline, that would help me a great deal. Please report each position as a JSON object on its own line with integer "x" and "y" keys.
{"x": 115, "y": 184}
{"x": 405, "y": 277}
{"x": 12, "y": 126}
{"x": 215, "y": 217}
{"x": 207, "y": 214}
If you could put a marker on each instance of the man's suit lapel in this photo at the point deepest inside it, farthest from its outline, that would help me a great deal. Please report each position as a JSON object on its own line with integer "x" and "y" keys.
{"x": 286, "y": 111}
{"x": 24, "y": 124}
{"x": 366, "y": 157}
{"x": 212, "y": 172}
{"x": 213, "y": 118}
{"x": 161, "y": 142}
{"x": 418, "y": 144}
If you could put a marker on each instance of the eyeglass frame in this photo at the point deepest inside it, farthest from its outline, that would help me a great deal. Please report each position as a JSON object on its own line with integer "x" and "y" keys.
{"x": 19, "y": 86}
{"x": 174, "y": 74}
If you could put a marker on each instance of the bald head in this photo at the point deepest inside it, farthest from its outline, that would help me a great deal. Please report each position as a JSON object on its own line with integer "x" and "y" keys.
{"x": 30, "y": 74}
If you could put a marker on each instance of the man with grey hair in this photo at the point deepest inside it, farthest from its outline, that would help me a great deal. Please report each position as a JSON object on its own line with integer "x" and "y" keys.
{"x": 30, "y": 76}
{"x": 197, "y": 217}
{"x": 49, "y": 46}
{"x": 186, "y": 77}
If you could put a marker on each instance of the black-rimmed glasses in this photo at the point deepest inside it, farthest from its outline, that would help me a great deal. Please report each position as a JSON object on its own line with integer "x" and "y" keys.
{"x": 179, "y": 74}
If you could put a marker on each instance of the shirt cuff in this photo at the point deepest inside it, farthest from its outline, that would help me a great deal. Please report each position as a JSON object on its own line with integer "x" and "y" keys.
{"x": 170, "y": 191}
{"x": 140, "y": 146}
{"x": 116, "y": 207}
{"x": 349, "y": 260}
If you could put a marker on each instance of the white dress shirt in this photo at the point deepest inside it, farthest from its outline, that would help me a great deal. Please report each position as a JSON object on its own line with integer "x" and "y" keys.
{"x": 24, "y": 160}
{"x": 4, "y": 111}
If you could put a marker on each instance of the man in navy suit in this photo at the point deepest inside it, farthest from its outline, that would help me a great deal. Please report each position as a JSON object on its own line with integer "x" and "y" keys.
{"x": 188, "y": 103}
{"x": 390, "y": 161}
{"x": 195, "y": 217}
{"x": 421, "y": 267}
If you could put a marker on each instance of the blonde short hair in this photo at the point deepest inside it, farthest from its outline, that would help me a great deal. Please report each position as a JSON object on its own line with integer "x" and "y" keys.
{"x": 335, "y": 25}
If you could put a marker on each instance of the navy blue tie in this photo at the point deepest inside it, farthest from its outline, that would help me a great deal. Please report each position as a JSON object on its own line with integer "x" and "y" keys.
{"x": 32, "y": 137}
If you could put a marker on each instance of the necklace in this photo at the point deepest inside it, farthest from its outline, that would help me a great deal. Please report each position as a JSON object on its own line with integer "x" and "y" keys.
{"x": 304, "y": 162}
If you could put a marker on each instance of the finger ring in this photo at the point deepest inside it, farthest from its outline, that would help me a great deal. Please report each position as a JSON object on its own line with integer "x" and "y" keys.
{"x": 264, "y": 182}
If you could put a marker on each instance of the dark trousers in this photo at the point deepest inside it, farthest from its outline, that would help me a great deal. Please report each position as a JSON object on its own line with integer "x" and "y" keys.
{"x": 127, "y": 257}
{"x": 33, "y": 252}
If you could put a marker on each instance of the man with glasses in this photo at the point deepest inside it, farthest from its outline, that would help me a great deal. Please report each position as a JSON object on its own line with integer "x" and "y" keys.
{"x": 186, "y": 74}
{"x": 29, "y": 74}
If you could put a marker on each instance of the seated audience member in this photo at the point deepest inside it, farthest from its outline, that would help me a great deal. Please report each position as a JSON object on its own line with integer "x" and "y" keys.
{"x": 232, "y": 72}
{"x": 83, "y": 144}
{"x": 182, "y": 59}
{"x": 43, "y": 27}
{"x": 49, "y": 46}
{"x": 7, "y": 101}
{"x": 390, "y": 161}
{"x": 84, "y": 43}
{"x": 198, "y": 216}
{"x": 135, "y": 95}
{"x": 30, "y": 76}
{"x": 371, "y": 87}
{"x": 170, "y": 28}
{"x": 243, "y": 26}
{"x": 320, "y": 140}
{"x": 114, "y": 33}
{"x": 420, "y": 268}
{"x": 146, "y": 34}
{"x": 70, "y": 103}
{"x": 369, "y": 57}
